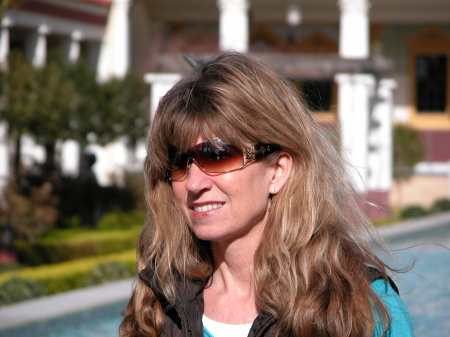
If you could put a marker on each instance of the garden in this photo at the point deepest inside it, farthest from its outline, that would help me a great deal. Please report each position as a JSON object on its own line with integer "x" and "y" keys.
{"x": 61, "y": 232}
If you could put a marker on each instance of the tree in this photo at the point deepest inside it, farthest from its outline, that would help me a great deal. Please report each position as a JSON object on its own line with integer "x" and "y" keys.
{"x": 53, "y": 114}
{"x": 64, "y": 101}
{"x": 121, "y": 110}
{"x": 18, "y": 100}
{"x": 86, "y": 104}
{"x": 408, "y": 151}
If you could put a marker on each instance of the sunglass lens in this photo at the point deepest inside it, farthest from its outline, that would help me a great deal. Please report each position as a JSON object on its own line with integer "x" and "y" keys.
{"x": 218, "y": 159}
{"x": 179, "y": 166}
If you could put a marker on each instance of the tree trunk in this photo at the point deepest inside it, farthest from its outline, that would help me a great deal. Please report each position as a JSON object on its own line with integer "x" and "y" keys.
{"x": 17, "y": 157}
{"x": 50, "y": 164}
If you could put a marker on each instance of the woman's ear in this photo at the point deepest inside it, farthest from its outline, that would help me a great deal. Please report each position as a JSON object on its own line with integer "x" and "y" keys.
{"x": 281, "y": 173}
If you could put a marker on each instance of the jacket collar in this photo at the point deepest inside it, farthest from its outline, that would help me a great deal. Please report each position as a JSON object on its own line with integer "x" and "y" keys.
{"x": 189, "y": 306}
{"x": 187, "y": 310}
{"x": 187, "y": 290}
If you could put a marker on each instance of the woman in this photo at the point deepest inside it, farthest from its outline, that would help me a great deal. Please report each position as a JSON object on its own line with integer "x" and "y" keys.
{"x": 255, "y": 227}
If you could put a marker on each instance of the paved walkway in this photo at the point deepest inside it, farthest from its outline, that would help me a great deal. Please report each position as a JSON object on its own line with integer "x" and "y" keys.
{"x": 62, "y": 304}
{"x": 428, "y": 228}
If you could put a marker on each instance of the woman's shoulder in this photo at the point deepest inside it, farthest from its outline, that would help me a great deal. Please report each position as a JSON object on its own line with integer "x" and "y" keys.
{"x": 401, "y": 325}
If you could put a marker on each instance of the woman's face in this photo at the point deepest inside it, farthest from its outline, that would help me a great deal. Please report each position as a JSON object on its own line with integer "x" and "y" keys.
{"x": 224, "y": 207}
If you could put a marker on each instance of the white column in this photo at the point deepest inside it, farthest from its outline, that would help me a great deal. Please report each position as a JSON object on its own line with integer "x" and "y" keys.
{"x": 355, "y": 91}
{"x": 4, "y": 158}
{"x": 70, "y": 158}
{"x": 4, "y": 148}
{"x": 111, "y": 162}
{"x": 113, "y": 62}
{"x": 114, "y": 53}
{"x": 381, "y": 137}
{"x": 354, "y": 28}
{"x": 37, "y": 46}
{"x": 160, "y": 84}
{"x": 72, "y": 47}
{"x": 233, "y": 25}
{"x": 4, "y": 42}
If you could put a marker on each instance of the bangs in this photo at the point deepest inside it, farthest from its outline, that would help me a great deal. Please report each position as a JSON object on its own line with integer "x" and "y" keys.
{"x": 184, "y": 128}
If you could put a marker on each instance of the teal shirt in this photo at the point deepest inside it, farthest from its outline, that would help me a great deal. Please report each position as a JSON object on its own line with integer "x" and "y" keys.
{"x": 401, "y": 325}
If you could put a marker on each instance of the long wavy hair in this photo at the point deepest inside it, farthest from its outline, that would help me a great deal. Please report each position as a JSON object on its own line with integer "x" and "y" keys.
{"x": 312, "y": 274}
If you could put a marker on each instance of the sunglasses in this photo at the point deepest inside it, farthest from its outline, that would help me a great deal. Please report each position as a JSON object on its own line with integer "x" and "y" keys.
{"x": 219, "y": 157}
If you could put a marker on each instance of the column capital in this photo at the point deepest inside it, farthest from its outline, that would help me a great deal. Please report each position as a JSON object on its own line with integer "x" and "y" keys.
{"x": 354, "y": 5}
{"x": 43, "y": 30}
{"x": 367, "y": 80}
{"x": 342, "y": 78}
{"x": 388, "y": 84}
{"x": 126, "y": 3}
{"x": 76, "y": 35}
{"x": 233, "y": 4}
{"x": 6, "y": 22}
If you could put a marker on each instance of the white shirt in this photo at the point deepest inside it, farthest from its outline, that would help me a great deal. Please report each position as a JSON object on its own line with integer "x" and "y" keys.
{"x": 218, "y": 329}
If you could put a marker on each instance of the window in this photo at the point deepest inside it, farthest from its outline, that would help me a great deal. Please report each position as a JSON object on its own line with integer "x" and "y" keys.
{"x": 429, "y": 79}
{"x": 320, "y": 97}
{"x": 431, "y": 83}
{"x": 317, "y": 94}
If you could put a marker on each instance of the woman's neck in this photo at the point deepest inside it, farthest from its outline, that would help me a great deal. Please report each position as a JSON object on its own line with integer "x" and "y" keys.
{"x": 230, "y": 298}
{"x": 234, "y": 258}
{"x": 234, "y": 265}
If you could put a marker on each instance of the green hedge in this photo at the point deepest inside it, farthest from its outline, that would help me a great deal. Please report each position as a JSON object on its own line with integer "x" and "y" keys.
{"x": 19, "y": 289}
{"x": 416, "y": 211}
{"x": 121, "y": 220}
{"x": 441, "y": 205}
{"x": 413, "y": 211}
{"x": 74, "y": 274}
{"x": 58, "y": 248}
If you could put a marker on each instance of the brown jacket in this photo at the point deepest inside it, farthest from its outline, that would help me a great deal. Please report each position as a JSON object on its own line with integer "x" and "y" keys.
{"x": 184, "y": 317}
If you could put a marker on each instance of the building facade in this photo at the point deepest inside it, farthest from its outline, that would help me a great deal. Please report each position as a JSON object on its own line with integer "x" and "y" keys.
{"x": 362, "y": 65}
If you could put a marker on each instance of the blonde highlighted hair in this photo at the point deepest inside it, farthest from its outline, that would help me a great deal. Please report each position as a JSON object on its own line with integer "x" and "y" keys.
{"x": 312, "y": 274}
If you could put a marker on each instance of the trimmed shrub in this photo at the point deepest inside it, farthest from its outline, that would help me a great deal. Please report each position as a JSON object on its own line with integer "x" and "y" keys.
{"x": 9, "y": 266}
{"x": 107, "y": 272}
{"x": 414, "y": 211}
{"x": 70, "y": 275}
{"x": 20, "y": 289}
{"x": 121, "y": 220}
{"x": 61, "y": 247}
{"x": 441, "y": 205}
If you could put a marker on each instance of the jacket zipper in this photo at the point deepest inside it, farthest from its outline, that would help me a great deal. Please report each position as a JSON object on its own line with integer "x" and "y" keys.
{"x": 184, "y": 322}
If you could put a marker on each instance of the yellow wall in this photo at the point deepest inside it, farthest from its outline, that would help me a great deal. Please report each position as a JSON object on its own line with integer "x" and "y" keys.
{"x": 420, "y": 190}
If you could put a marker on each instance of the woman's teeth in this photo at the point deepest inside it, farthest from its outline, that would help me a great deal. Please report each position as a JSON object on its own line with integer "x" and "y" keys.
{"x": 208, "y": 207}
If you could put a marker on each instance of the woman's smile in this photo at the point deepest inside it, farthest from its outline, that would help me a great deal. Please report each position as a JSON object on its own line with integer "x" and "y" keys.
{"x": 206, "y": 208}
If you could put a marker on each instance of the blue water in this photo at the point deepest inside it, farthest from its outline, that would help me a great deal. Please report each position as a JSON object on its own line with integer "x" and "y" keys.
{"x": 425, "y": 290}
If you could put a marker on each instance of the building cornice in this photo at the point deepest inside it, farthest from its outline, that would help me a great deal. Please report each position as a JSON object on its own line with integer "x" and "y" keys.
{"x": 65, "y": 12}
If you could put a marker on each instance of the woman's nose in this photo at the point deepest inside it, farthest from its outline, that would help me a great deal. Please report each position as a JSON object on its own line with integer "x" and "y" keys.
{"x": 196, "y": 179}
